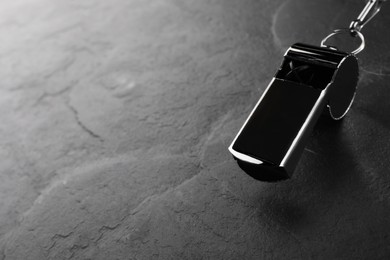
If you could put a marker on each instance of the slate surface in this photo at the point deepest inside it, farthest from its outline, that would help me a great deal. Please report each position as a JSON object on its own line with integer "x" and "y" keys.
{"x": 116, "y": 118}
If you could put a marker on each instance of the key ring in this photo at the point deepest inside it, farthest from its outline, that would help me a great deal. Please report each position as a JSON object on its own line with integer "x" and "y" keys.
{"x": 369, "y": 11}
{"x": 346, "y": 31}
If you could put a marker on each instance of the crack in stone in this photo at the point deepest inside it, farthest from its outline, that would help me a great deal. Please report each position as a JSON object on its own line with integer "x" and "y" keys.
{"x": 62, "y": 67}
{"x": 57, "y": 237}
{"x": 54, "y": 94}
{"x": 379, "y": 73}
{"x": 154, "y": 197}
{"x": 82, "y": 125}
{"x": 105, "y": 228}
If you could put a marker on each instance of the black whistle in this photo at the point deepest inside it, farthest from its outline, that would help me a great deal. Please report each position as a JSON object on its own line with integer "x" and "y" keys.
{"x": 272, "y": 139}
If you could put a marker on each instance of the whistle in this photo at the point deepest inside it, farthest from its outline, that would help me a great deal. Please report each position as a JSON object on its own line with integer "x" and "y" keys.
{"x": 310, "y": 80}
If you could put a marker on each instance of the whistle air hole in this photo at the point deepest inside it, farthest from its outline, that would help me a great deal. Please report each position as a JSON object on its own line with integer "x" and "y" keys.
{"x": 301, "y": 73}
{"x": 311, "y": 75}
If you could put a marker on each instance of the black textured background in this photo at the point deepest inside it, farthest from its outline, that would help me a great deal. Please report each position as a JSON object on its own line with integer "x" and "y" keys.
{"x": 115, "y": 122}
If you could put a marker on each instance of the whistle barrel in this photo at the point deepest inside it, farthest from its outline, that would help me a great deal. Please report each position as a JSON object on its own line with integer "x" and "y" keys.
{"x": 272, "y": 139}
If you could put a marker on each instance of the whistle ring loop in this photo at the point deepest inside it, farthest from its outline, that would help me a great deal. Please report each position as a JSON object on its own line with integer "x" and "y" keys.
{"x": 353, "y": 33}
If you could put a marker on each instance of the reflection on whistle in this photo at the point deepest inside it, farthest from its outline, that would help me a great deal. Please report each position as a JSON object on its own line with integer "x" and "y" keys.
{"x": 272, "y": 139}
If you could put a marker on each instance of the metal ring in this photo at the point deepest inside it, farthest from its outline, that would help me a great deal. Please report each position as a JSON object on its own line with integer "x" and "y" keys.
{"x": 353, "y": 33}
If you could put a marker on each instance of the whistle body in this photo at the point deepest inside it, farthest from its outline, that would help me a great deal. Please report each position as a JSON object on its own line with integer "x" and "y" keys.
{"x": 310, "y": 79}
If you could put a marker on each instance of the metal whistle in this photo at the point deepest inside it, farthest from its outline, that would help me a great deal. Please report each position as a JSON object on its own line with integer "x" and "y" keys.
{"x": 310, "y": 78}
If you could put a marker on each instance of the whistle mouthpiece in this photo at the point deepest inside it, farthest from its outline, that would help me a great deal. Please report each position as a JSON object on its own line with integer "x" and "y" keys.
{"x": 310, "y": 79}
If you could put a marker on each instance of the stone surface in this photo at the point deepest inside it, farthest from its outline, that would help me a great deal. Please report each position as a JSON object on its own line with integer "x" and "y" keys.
{"x": 116, "y": 118}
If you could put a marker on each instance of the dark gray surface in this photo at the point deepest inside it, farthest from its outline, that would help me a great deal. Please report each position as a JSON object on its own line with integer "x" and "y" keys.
{"x": 117, "y": 115}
